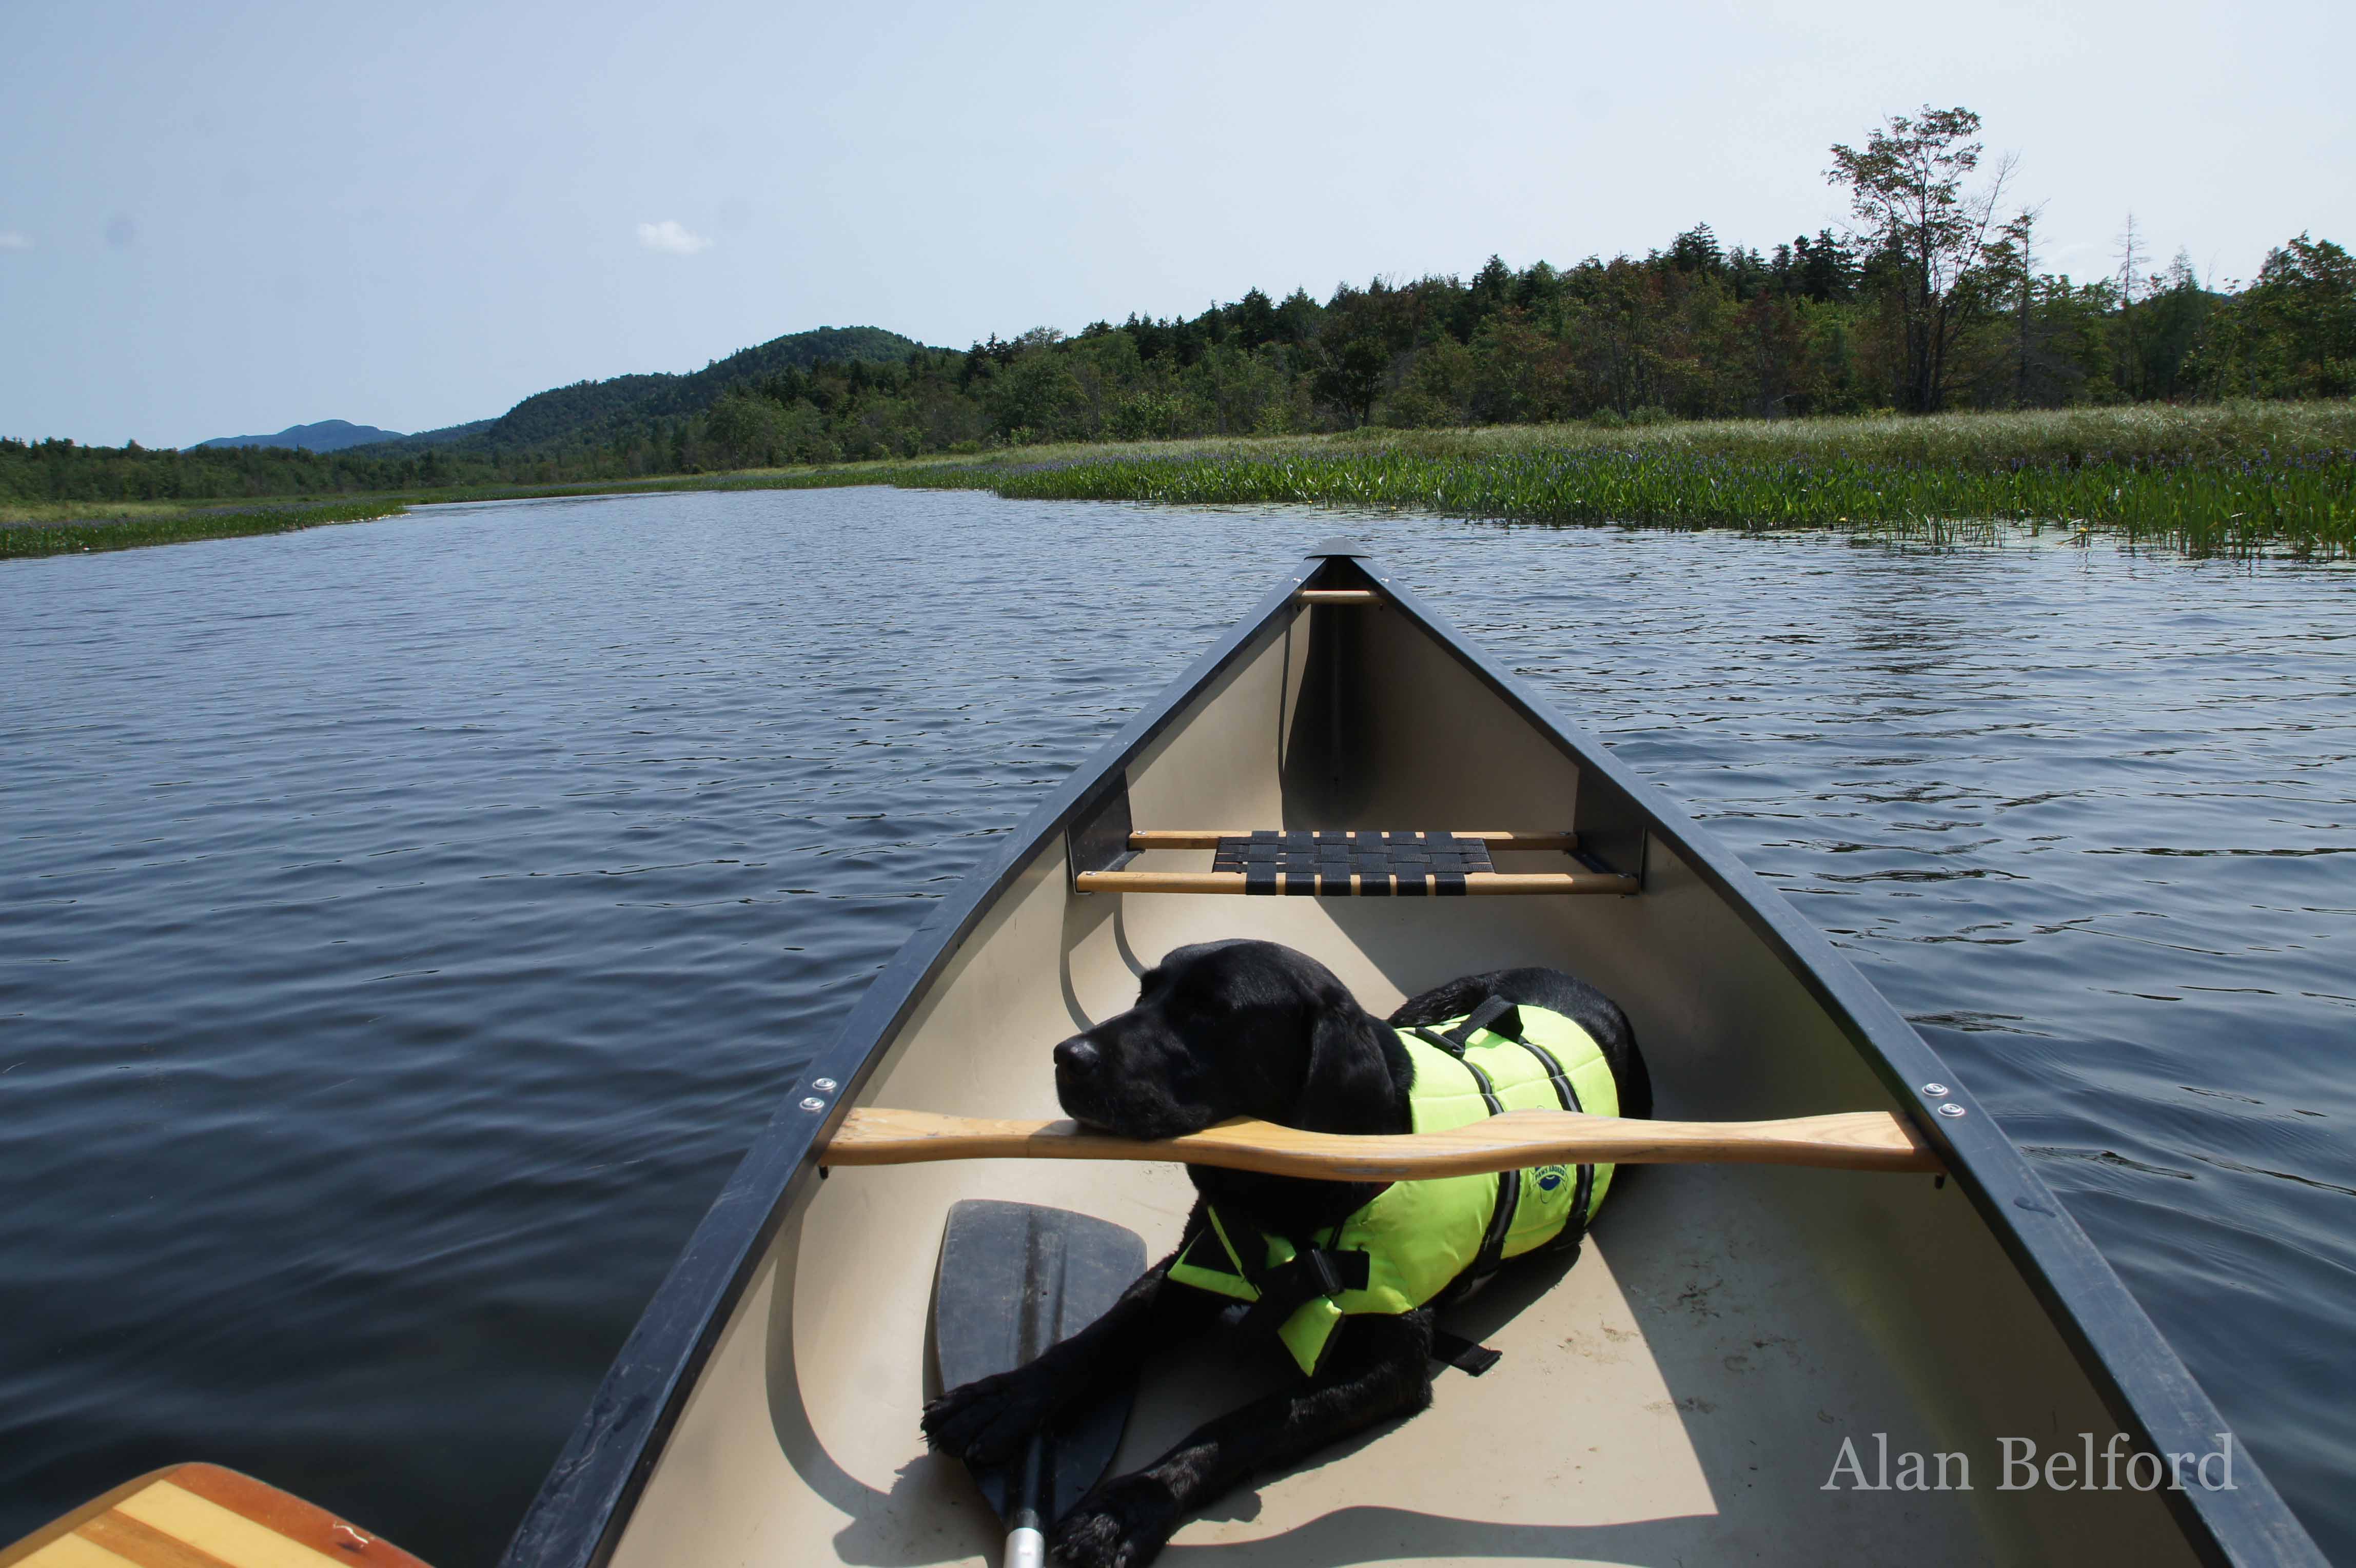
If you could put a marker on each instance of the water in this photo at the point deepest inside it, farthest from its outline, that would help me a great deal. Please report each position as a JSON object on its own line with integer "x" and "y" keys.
{"x": 402, "y": 926}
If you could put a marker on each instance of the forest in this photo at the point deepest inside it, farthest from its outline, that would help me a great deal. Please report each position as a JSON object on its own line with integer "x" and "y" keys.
{"x": 1930, "y": 301}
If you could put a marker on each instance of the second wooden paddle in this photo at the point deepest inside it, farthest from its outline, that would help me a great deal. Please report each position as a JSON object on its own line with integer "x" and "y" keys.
{"x": 1851, "y": 1140}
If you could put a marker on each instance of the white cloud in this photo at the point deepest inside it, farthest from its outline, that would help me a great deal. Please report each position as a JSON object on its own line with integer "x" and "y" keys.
{"x": 12, "y": 241}
{"x": 673, "y": 237}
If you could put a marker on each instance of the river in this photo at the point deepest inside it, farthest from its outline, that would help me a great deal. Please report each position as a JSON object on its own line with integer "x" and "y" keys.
{"x": 403, "y": 925}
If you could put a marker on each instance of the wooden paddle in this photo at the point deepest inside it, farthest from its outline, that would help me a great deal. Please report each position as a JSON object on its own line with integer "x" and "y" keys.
{"x": 201, "y": 1516}
{"x": 1851, "y": 1139}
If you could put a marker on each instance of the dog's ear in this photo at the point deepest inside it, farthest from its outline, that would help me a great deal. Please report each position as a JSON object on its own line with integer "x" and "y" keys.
{"x": 1348, "y": 1087}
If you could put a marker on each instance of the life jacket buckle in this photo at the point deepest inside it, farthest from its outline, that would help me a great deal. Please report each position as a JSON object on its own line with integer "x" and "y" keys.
{"x": 1329, "y": 1278}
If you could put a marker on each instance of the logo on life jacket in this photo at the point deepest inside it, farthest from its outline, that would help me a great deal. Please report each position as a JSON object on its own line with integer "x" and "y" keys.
{"x": 1550, "y": 1177}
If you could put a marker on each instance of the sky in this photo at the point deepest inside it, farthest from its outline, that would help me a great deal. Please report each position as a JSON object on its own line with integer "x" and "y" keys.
{"x": 229, "y": 219}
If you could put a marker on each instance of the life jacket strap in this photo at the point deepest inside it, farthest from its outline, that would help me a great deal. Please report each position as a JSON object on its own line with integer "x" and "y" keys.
{"x": 1496, "y": 1015}
{"x": 1501, "y": 1018}
{"x": 1492, "y": 1255}
{"x": 1466, "y": 1356}
{"x": 1288, "y": 1286}
{"x": 1493, "y": 1015}
{"x": 1583, "y": 1194}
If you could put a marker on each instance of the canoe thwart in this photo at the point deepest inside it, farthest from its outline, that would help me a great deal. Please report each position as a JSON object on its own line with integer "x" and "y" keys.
{"x": 1212, "y": 838}
{"x": 1346, "y": 884}
{"x": 1338, "y": 596}
{"x": 1346, "y": 863}
{"x": 1848, "y": 1140}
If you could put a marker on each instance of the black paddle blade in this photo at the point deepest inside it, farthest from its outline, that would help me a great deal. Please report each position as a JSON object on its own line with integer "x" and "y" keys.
{"x": 1014, "y": 1278}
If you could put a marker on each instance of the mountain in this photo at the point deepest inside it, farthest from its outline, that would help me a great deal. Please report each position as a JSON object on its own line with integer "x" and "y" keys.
{"x": 588, "y": 413}
{"x": 328, "y": 436}
{"x": 448, "y": 436}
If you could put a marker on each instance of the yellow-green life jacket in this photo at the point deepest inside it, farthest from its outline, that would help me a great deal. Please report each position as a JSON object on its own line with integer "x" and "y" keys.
{"x": 1419, "y": 1237}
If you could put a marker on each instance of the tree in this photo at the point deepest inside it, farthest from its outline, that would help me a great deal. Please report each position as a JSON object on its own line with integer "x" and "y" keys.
{"x": 2176, "y": 310}
{"x": 1437, "y": 388}
{"x": 1695, "y": 251}
{"x": 2132, "y": 257}
{"x": 1826, "y": 269}
{"x": 1353, "y": 378}
{"x": 2011, "y": 264}
{"x": 1491, "y": 291}
{"x": 745, "y": 431}
{"x": 2292, "y": 333}
{"x": 1255, "y": 319}
{"x": 1907, "y": 190}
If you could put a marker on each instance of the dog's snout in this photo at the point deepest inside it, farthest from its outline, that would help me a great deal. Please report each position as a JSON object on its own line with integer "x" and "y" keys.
{"x": 1077, "y": 1056}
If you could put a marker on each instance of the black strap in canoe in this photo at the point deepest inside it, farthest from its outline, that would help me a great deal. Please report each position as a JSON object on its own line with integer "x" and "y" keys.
{"x": 1339, "y": 863}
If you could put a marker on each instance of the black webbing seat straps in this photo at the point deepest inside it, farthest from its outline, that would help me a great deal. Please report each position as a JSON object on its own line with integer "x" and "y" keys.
{"x": 1260, "y": 857}
{"x": 1343, "y": 862}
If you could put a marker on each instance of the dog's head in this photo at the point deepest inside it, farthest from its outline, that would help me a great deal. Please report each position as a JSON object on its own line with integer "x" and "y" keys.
{"x": 1237, "y": 1028}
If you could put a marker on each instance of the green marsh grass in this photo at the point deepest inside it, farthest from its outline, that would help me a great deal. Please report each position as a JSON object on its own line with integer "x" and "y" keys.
{"x": 69, "y": 528}
{"x": 2227, "y": 478}
{"x": 57, "y": 513}
{"x": 179, "y": 526}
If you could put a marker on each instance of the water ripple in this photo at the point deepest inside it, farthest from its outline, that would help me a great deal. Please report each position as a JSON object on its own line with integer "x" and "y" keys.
{"x": 402, "y": 926}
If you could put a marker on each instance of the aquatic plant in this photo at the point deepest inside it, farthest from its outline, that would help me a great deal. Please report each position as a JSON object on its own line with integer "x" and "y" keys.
{"x": 2203, "y": 495}
{"x": 80, "y": 538}
{"x": 2217, "y": 477}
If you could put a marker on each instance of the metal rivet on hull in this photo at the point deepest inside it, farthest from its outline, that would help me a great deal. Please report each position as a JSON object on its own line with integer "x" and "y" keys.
{"x": 823, "y": 1085}
{"x": 1937, "y": 1090}
{"x": 1952, "y": 1109}
{"x": 813, "y": 1103}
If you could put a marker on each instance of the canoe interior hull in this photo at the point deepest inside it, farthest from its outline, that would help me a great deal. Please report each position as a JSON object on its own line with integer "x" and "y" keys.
{"x": 1682, "y": 1394}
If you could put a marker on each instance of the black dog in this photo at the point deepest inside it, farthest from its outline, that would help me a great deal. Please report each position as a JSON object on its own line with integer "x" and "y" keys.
{"x": 1244, "y": 1029}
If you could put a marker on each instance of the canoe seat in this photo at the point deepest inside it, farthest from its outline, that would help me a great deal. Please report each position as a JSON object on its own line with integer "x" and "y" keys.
{"x": 1410, "y": 864}
{"x": 1363, "y": 862}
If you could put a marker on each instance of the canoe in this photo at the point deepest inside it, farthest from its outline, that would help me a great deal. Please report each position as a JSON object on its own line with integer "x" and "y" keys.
{"x": 1740, "y": 1367}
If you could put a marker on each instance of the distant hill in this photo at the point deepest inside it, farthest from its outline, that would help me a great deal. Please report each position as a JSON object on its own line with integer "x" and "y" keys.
{"x": 587, "y": 413}
{"x": 448, "y": 436}
{"x": 328, "y": 436}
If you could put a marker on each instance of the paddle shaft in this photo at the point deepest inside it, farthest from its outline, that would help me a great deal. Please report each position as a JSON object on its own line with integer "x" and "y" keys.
{"x": 1852, "y": 1140}
{"x": 1026, "y": 1531}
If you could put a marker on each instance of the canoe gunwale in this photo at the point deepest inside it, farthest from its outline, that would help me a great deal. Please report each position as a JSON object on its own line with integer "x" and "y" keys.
{"x": 576, "y": 1520}
{"x": 577, "y": 1517}
{"x": 2141, "y": 1380}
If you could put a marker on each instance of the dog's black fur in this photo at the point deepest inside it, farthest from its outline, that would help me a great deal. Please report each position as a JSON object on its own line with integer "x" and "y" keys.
{"x": 1244, "y": 1029}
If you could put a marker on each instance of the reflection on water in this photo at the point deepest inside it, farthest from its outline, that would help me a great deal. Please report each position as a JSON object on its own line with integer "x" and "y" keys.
{"x": 403, "y": 925}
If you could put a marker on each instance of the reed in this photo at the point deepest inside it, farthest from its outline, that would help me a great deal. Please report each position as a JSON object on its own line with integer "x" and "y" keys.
{"x": 2215, "y": 480}
{"x": 2227, "y": 478}
{"x": 130, "y": 533}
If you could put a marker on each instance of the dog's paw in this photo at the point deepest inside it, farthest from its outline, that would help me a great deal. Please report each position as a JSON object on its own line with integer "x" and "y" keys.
{"x": 1123, "y": 1523}
{"x": 986, "y": 1421}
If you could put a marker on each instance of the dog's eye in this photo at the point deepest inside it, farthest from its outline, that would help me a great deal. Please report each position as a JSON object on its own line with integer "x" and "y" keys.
{"x": 1193, "y": 1008}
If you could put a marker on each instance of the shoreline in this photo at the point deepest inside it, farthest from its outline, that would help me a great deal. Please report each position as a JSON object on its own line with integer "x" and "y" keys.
{"x": 2217, "y": 478}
